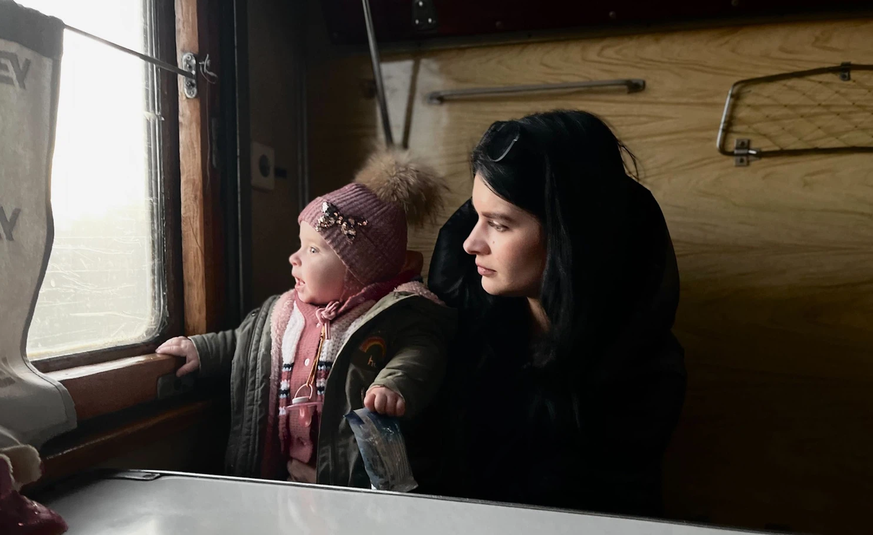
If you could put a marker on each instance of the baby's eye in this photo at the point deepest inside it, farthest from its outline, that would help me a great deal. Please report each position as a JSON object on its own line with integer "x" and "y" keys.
{"x": 313, "y": 250}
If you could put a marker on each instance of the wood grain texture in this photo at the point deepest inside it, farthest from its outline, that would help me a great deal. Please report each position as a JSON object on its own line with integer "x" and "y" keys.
{"x": 776, "y": 259}
{"x": 108, "y": 387}
{"x": 196, "y": 195}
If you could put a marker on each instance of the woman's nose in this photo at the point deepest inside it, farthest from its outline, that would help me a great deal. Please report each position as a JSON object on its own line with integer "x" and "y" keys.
{"x": 475, "y": 244}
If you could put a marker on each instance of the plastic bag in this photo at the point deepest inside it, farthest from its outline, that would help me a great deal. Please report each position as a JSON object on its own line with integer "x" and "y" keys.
{"x": 383, "y": 450}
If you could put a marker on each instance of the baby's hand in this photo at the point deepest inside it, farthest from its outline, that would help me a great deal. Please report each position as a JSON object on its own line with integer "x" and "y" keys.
{"x": 299, "y": 472}
{"x": 181, "y": 346}
{"x": 385, "y": 401}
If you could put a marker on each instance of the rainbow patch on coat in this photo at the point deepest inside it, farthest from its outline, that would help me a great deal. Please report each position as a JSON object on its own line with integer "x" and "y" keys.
{"x": 374, "y": 347}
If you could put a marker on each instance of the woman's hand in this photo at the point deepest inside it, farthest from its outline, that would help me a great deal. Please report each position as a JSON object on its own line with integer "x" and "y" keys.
{"x": 181, "y": 346}
{"x": 385, "y": 401}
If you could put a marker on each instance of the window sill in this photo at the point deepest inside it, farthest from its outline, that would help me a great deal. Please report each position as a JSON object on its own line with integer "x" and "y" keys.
{"x": 108, "y": 387}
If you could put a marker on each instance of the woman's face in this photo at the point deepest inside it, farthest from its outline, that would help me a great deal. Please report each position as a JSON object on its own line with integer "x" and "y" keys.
{"x": 508, "y": 243}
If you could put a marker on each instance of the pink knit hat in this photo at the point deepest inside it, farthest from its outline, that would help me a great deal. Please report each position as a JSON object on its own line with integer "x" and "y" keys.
{"x": 365, "y": 223}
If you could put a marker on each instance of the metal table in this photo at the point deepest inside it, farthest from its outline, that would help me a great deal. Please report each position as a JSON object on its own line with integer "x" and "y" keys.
{"x": 151, "y": 503}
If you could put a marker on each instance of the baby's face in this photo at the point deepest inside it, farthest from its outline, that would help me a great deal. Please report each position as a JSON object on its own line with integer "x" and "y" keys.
{"x": 318, "y": 272}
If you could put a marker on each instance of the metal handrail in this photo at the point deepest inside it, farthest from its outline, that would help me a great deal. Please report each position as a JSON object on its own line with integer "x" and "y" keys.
{"x": 633, "y": 85}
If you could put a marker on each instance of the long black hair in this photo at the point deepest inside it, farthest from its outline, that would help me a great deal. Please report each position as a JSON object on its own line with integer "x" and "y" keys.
{"x": 566, "y": 168}
{"x": 597, "y": 398}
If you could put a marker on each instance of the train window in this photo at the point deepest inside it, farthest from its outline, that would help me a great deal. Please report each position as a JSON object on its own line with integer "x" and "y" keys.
{"x": 105, "y": 285}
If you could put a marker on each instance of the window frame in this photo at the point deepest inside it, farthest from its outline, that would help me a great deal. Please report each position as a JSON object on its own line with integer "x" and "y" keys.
{"x": 112, "y": 389}
{"x": 108, "y": 381}
{"x": 163, "y": 13}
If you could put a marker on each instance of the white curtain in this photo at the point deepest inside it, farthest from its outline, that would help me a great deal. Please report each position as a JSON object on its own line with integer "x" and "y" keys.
{"x": 33, "y": 407}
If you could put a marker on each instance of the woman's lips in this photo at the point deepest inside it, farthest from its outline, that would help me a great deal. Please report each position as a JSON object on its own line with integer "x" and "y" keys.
{"x": 484, "y": 271}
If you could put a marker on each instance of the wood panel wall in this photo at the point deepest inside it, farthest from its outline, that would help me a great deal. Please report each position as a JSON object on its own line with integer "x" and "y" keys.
{"x": 776, "y": 259}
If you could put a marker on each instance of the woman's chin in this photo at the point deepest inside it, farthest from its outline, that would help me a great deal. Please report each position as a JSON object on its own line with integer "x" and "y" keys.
{"x": 492, "y": 287}
{"x": 499, "y": 289}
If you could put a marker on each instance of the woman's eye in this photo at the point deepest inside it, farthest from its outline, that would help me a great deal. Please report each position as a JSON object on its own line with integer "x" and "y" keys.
{"x": 497, "y": 226}
{"x": 313, "y": 250}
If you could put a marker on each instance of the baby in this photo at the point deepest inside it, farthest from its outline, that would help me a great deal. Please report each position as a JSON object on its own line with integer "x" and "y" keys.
{"x": 358, "y": 329}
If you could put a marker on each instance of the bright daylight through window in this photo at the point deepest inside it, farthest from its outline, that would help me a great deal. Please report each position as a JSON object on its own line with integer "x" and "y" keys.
{"x": 104, "y": 286}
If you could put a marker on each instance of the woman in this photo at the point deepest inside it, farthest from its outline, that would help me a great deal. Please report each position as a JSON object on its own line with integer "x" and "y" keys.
{"x": 566, "y": 382}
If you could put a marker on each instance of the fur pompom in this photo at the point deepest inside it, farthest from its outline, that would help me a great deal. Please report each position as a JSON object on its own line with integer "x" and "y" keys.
{"x": 394, "y": 177}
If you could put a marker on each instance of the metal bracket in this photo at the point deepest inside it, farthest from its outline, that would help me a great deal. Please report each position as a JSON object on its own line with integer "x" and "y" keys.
{"x": 133, "y": 475}
{"x": 423, "y": 15}
{"x": 846, "y": 71}
{"x": 744, "y": 153}
{"x": 189, "y": 63}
